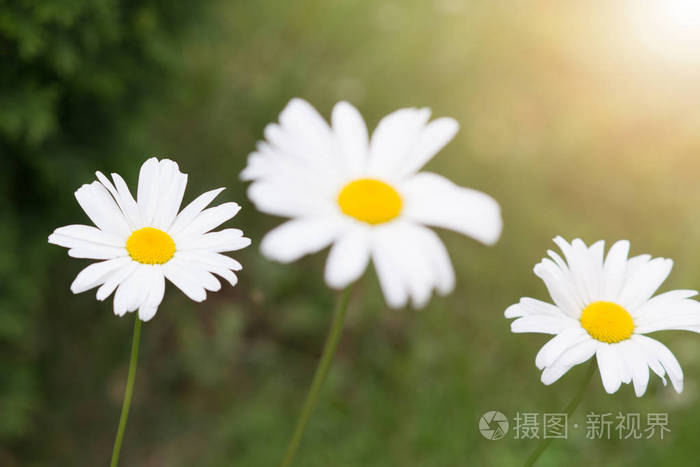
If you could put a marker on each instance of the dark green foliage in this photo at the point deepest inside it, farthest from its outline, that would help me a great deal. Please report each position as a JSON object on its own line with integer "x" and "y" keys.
{"x": 73, "y": 74}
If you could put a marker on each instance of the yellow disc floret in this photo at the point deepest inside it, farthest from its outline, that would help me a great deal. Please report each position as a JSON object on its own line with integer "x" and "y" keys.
{"x": 607, "y": 322}
{"x": 150, "y": 246}
{"x": 370, "y": 200}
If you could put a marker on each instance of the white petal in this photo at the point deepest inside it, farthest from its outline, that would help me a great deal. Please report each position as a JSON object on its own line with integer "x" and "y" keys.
{"x": 431, "y": 139}
{"x": 192, "y": 210}
{"x": 348, "y": 257}
{"x": 132, "y": 291}
{"x": 128, "y": 203}
{"x": 530, "y": 306}
{"x": 670, "y": 310}
{"x": 556, "y": 346}
{"x": 666, "y": 358}
{"x": 102, "y": 210}
{"x": 96, "y": 274}
{"x": 410, "y": 261}
{"x": 123, "y": 205}
{"x": 223, "y": 240}
{"x": 96, "y": 252}
{"x": 582, "y": 269}
{"x": 113, "y": 280}
{"x": 207, "y": 220}
{"x": 171, "y": 189}
{"x": 575, "y": 355}
{"x": 560, "y": 286}
{"x": 184, "y": 280}
{"x": 635, "y": 359}
{"x": 614, "y": 270}
{"x": 351, "y": 132}
{"x": 291, "y": 198}
{"x": 299, "y": 118}
{"x": 434, "y": 200}
{"x": 389, "y": 274}
{"x": 544, "y": 324}
{"x": 73, "y": 236}
{"x": 156, "y": 291}
{"x": 298, "y": 237}
{"x": 147, "y": 193}
{"x": 609, "y": 364}
{"x": 643, "y": 281}
{"x": 393, "y": 140}
{"x": 214, "y": 263}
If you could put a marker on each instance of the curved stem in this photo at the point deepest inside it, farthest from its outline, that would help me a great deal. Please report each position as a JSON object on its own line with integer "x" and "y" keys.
{"x": 544, "y": 443}
{"x": 319, "y": 377}
{"x": 127, "y": 393}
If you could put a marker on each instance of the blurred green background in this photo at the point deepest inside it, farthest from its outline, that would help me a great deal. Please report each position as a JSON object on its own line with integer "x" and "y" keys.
{"x": 581, "y": 118}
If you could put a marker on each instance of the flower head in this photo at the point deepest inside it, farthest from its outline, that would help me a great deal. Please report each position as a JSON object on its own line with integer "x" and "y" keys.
{"x": 141, "y": 242}
{"x": 605, "y": 307}
{"x": 365, "y": 197}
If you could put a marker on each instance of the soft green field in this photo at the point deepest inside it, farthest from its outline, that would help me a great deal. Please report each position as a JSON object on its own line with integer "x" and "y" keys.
{"x": 566, "y": 118}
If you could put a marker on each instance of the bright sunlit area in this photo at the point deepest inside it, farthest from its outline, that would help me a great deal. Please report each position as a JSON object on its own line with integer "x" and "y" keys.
{"x": 579, "y": 118}
{"x": 668, "y": 29}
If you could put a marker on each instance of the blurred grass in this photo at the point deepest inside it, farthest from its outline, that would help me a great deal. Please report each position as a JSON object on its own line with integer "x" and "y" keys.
{"x": 564, "y": 120}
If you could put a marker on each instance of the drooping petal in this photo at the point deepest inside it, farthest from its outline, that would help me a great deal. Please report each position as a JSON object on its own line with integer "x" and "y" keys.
{"x": 96, "y": 274}
{"x": 556, "y": 346}
{"x": 635, "y": 359}
{"x": 348, "y": 257}
{"x": 113, "y": 280}
{"x": 574, "y": 355}
{"x": 410, "y": 261}
{"x": 610, "y": 367}
{"x": 666, "y": 358}
{"x": 155, "y": 295}
{"x": 132, "y": 292}
{"x": 184, "y": 280}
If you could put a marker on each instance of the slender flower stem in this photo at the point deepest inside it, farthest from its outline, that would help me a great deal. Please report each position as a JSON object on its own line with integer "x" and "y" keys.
{"x": 320, "y": 376}
{"x": 545, "y": 442}
{"x": 128, "y": 392}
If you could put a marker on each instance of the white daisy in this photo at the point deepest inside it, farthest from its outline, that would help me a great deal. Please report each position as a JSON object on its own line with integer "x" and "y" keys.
{"x": 143, "y": 241}
{"x": 365, "y": 197}
{"x": 604, "y": 307}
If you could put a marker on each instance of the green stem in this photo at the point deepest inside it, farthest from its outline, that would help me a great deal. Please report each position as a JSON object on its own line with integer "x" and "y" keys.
{"x": 319, "y": 377}
{"x": 127, "y": 393}
{"x": 545, "y": 442}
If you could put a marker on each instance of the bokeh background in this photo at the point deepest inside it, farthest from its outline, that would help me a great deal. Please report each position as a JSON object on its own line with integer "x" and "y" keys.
{"x": 581, "y": 118}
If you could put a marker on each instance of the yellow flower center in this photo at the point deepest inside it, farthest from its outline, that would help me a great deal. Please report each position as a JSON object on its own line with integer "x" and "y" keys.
{"x": 370, "y": 200}
{"x": 607, "y": 322}
{"x": 150, "y": 246}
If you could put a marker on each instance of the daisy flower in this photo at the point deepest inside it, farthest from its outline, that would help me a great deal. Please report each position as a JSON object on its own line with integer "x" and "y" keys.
{"x": 605, "y": 307}
{"x": 141, "y": 242}
{"x": 366, "y": 197}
